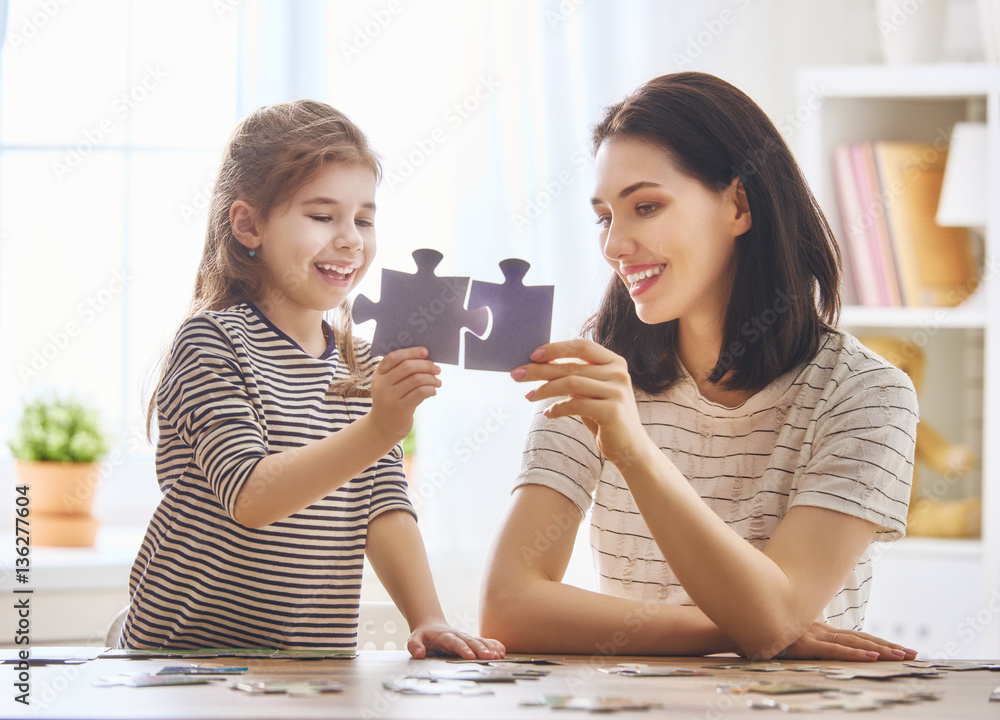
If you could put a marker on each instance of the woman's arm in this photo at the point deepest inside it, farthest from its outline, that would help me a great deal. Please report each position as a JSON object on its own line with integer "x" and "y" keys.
{"x": 762, "y": 600}
{"x": 527, "y": 607}
{"x": 284, "y": 483}
{"x": 396, "y": 553}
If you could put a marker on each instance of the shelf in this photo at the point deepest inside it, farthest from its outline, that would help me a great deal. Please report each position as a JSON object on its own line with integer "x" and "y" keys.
{"x": 921, "y": 548}
{"x": 933, "y": 318}
{"x": 955, "y": 80}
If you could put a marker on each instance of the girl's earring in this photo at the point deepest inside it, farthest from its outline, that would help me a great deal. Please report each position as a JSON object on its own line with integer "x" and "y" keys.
{"x": 252, "y": 252}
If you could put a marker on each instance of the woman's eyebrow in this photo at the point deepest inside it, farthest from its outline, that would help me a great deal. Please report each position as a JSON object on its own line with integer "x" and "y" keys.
{"x": 628, "y": 191}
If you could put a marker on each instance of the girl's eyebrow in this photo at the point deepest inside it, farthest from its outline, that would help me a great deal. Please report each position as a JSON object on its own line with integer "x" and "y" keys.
{"x": 628, "y": 191}
{"x": 331, "y": 201}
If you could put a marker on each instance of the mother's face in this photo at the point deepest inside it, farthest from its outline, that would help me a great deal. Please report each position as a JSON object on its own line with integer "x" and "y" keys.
{"x": 670, "y": 239}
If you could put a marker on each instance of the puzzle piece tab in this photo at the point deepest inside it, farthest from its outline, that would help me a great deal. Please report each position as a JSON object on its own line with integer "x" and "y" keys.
{"x": 522, "y": 319}
{"x": 421, "y": 309}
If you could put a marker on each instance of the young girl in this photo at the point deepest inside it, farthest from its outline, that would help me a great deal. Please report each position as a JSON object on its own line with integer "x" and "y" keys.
{"x": 278, "y": 451}
{"x": 740, "y": 454}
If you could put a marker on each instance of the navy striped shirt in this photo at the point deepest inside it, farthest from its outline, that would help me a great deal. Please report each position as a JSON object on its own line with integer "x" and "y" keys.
{"x": 237, "y": 389}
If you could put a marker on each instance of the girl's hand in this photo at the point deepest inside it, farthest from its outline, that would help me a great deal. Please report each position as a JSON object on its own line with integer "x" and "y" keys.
{"x": 824, "y": 642}
{"x": 402, "y": 380}
{"x": 440, "y": 638}
{"x": 599, "y": 391}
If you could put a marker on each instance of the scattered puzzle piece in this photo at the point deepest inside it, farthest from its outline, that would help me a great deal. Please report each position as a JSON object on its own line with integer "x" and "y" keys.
{"x": 596, "y": 704}
{"x": 311, "y": 686}
{"x": 522, "y": 319}
{"x": 421, "y": 310}
{"x": 880, "y": 673}
{"x": 644, "y": 670}
{"x": 421, "y": 686}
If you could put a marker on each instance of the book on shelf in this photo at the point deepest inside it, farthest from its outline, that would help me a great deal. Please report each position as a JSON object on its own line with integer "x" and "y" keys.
{"x": 887, "y": 195}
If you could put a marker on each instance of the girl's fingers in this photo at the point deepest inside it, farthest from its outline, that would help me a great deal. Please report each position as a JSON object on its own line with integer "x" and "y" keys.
{"x": 396, "y": 357}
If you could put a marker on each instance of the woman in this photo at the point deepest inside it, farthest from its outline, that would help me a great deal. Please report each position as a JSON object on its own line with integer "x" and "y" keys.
{"x": 739, "y": 453}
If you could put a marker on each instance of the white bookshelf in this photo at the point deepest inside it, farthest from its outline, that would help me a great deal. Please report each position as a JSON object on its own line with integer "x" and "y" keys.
{"x": 937, "y": 595}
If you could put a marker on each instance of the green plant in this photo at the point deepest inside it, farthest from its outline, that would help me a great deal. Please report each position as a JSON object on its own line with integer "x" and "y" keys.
{"x": 58, "y": 429}
{"x": 410, "y": 442}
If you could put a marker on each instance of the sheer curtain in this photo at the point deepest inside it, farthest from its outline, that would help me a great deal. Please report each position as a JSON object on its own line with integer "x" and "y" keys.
{"x": 482, "y": 111}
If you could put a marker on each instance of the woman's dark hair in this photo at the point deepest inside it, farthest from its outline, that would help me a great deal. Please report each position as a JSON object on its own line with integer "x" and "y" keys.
{"x": 785, "y": 291}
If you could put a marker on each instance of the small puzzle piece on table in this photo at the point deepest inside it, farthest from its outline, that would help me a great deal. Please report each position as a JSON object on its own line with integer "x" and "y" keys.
{"x": 310, "y": 686}
{"x": 522, "y": 319}
{"x": 644, "y": 670}
{"x": 594, "y": 704}
{"x": 421, "y": 686}
{"x": 421, "y": 310}
{"x": 879, "y": 673}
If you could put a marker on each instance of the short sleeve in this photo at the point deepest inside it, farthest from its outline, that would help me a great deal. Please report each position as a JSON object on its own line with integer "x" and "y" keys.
{"x": 562, "y": 454}
{"x": 204, "y": 399}
{"x": 863, "y": 442}
{"x": 389, "y": 490}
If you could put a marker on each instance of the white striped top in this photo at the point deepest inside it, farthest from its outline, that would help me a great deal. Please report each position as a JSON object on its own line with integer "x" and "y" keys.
{"x": 237, "y": 389}
{"x": 837, "y": 433}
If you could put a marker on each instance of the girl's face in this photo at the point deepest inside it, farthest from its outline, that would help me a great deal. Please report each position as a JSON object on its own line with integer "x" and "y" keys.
{"x": 317, "y": 246}
{"x": 671, "y": 240}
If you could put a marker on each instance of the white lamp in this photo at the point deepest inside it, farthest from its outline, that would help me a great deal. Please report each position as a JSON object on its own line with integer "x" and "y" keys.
{"x": 963, "y": 191}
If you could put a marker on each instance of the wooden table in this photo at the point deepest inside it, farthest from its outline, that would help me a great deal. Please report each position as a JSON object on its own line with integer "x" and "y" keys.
{"x": 68, "y": 691}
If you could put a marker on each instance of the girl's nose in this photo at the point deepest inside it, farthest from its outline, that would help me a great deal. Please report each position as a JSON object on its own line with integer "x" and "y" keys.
{"x": 348, "y": 237}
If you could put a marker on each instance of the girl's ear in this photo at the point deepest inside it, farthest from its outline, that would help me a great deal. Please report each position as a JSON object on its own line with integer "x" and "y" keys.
{"x": 246, "y": 227}
{"x": 741, "y": 217}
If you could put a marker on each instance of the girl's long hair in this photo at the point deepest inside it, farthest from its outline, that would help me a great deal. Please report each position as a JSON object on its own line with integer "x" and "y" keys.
{"x": 272, "y": 153}
{"x": 785, "y": 292}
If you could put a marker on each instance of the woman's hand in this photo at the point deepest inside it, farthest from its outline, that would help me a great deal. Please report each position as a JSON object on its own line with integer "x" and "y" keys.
{"x": 824, "y": 642}
{"x": 440, "y": 638}
{"x": 598, "y": 390}
{"x": 402, "y": 380}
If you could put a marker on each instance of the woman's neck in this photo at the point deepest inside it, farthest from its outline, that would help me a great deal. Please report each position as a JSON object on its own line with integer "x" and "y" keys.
{"x": 698, "y": 348}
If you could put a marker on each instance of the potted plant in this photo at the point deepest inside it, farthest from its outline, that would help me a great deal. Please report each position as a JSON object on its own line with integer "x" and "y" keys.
{"x": 58, "y": 443}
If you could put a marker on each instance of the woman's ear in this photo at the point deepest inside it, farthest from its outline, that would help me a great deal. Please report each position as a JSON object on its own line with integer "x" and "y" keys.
{"x": 246, "y": 227}
{"x": 741, "y": 217}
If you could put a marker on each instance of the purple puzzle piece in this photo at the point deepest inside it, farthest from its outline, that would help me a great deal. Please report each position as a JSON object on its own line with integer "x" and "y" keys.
{"x": 522, "y": 320}
{"x": 421, "y": 309}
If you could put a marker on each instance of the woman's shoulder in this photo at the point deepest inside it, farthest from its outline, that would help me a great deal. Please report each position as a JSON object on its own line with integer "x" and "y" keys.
{"x": 845, "y": 366}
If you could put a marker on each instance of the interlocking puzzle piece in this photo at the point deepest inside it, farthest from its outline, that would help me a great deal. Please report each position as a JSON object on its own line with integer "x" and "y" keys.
{"x": 421, "y": 309}
{"x": 522, "y": 319}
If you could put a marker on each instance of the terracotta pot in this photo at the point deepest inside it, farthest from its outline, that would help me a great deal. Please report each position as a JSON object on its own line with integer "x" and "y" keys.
{"x": 60, "y": 488}
{"x": 52, "y": 530}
